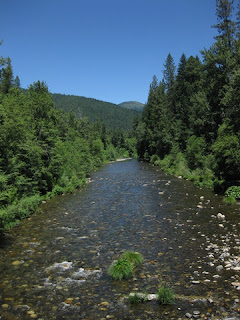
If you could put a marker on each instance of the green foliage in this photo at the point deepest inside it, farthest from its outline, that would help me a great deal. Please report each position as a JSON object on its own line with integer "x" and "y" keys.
{"x": 197, "y": 111}
{"x": 45, "y": 152}
{"x": 10, "y": 216}
{"x": 233, "y": 191}
{"x": 134, "y": 258}
{"x": 134, "y": 105}
{"x": 121, "y": 269}
{"x": 226, "y": 150}
{"x": 154, "y": 159}
{"x": 57, "y": 190}
{"x": 113, "y": 116}
{"x": 230, "y": 200}
{"x": 195, "y": 151}
{"x": 165, "y": 295}
{"x": 136, "y": 298}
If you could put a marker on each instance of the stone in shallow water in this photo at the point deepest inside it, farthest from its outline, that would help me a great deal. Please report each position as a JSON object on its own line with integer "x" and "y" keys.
{"x": 65, "y": 265}
{"x": 236, "y": 284}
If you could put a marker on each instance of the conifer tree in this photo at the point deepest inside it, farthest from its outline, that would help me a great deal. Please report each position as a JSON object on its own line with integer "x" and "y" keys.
{"x": 238, "y": 20}
{"x": 169, "y": 72}
{"x": 6, "y": 77}
{"x": 17, "y": 83}
{"x": 225, "y": 26}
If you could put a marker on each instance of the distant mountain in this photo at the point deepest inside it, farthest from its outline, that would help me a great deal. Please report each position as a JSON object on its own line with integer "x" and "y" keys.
{"x": 112, "y": 115}
{"x": 133, "y": 105}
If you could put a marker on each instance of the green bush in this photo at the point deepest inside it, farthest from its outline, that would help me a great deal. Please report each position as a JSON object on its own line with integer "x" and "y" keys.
{"x": 10, "y": 216}
{"x": 57, "y": 190}
{"x": 154, "y": 158}
{"x": 121, "y": 269}
{"x": 233, "y": 191}
{"x": 134, "y": 258}
{"x": 227, "y": 153}
{"x": 165, "y": 295}
{"x": 230, "y": 200}
{"x": 28, "y": 205}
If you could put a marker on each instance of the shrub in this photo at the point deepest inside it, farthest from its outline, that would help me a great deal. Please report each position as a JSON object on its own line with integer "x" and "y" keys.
{"x": 134, "y": 258}
{"x": 230, "y": 200}
{"x": 233, "y": 191}
{"x": 121, "y": 269}
{"x": 57, "y": 190}
{"x": 165, "y": 295}
{"x": 28, "y": 205}
{"x": 154, "y": 158}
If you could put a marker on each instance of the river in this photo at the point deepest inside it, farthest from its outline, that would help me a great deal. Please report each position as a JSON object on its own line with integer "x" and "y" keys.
{"x": 54, "y": 265}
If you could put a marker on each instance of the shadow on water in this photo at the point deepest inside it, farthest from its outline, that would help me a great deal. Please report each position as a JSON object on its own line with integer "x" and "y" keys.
{"x": 54, "y": 265}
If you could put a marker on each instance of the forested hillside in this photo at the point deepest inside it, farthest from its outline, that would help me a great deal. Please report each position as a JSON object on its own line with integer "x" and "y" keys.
{"x": 191, "y": 123}
{"x": 113, "y": 116}
{"x": 133, "y": 105}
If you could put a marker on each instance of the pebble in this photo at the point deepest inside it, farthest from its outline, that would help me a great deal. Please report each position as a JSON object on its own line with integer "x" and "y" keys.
{"x": 188, "y": 315}
{"x": 219, "y": 268}
{"x": 196, "y": 312}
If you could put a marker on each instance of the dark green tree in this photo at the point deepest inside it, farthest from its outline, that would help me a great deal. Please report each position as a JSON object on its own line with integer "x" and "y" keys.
{"x": 6, "y": 77}
{"x": 225, "y": 26}
{"x": 16, "y": 82}
{"x": 169, "y": 72}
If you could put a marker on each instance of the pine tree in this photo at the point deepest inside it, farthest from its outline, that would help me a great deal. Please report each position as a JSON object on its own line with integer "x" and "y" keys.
{"x": 6, "y": 77}
{"x": 225, "y": 26}
{"x": 238, "y": 20}
{"x": 169, "y": 72}
{"x": 17, "y": 83}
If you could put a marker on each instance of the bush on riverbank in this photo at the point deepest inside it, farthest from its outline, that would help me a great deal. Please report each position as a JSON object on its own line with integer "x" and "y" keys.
{"x": 177, "y": 164}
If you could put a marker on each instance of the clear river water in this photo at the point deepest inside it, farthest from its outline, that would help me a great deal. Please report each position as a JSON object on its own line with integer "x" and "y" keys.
{"x": 54, "y": 265}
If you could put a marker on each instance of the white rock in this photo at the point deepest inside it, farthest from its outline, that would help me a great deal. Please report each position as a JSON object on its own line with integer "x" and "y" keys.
{"x": 221, "y": 216}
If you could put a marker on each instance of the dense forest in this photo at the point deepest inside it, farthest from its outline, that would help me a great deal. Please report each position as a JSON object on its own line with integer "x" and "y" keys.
{"x": 112, "y": 115}
{"x": 134, "y": 105}
{"x": 190, "y": 125}
{"x": 45, "y": 151}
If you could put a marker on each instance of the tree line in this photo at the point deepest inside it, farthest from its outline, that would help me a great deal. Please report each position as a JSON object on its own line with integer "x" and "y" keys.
{"x": 45, "y": 151}
{"x": 190, "y": 125}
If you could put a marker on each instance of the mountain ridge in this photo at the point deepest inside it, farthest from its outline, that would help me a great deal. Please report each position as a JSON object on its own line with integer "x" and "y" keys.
{"x": 112, "y": 115}
{"x": 132, "y": 105}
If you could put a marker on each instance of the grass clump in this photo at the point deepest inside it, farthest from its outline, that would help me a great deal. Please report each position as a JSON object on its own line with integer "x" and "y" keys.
{"x": 134, "y": 258}
{"x": 230, "y": 200}
{"x": 136, "y": 298}
{"x": 165, "y": 295}
{"x": 121, "y": 269}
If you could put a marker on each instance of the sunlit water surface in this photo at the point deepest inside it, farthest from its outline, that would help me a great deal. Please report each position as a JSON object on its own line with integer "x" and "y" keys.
{"x": 54, "y": 265}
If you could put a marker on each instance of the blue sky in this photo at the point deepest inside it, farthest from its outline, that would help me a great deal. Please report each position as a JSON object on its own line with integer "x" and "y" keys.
{"x": 103, "y": 49}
